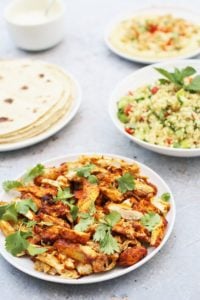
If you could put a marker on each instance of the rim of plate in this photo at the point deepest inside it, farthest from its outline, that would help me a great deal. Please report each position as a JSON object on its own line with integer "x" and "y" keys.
{"x": 139, "y": 59}
{"x": 109, "y": 274}
{"x": 60, "y": 124}
{"x": 192, "y": 152}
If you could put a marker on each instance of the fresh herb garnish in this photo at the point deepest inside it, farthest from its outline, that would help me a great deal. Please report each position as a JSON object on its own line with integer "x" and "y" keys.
{"x": 63, "y": 195}
{"x": 32, "y": 173}
{"x": 165, "y": 197}
{"x": 10, "y": 211}
{"x": 28, "y": 176}
{"x": 85, "y": 171}
{"x": 17, "y": 242}
{"x": 126, "y": 183}
{"x": 150, "y": 220}
{"x": 10, "y": 185}
{"x": 23, "y": 206}
{"x": 107, "y": 242}
{"x": 86, "y": 219}
{"x": 178, "y": 76}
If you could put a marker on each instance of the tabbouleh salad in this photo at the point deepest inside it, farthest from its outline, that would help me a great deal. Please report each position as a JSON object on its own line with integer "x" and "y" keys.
{"x": 166, "y": 113}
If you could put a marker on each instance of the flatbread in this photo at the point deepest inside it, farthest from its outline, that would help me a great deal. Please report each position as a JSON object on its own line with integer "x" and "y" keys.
{"x": 33, "y": 97}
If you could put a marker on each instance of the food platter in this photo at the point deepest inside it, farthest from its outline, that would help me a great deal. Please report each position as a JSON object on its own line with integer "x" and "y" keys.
{"x": 43, "y": 99}
{"x": 25, "y": 265}
{"x": 145, "y": 76}
{"x": 139, "y": 57}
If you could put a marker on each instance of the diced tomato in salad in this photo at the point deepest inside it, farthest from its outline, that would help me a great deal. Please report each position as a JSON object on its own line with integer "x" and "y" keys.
{"x": 127, "y": 109}
{"x": 129, "y": 130}
{"x": 154, "y": 90}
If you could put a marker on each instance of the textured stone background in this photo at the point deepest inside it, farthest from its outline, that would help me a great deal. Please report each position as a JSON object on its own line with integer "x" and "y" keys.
{"x": 174, "y": 273}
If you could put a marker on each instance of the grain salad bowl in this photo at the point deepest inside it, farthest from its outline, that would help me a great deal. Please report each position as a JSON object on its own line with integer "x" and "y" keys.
{"x": 148, "y": 77}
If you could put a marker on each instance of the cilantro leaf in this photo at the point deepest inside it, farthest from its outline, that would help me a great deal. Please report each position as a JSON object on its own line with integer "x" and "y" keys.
{"x": 113, "y": 218}
{"x": 85, "y": 170}
{"x": 32, "y": 173}
{"x": 86, "y": 219}
{"x": 92, "y": 179}
{"x": 10, "y": 185}
{"x": 63, "y": 194}
{"x": 23, "y": 206}
{"x": 165, "y": 197}
{"x": 126, "y": 183}
{"x": 150, "y": 220}
{"x": 16, "y": 243}
{"x": 109, "y": 244}
{"x": 35, "y": 250}
{"x": 73, "y": 210}
{"x": 8, "y": 213}
{"x": 100, "y": 232}
{"x": 84, "y": 223}
{"x": 30, "y": 224}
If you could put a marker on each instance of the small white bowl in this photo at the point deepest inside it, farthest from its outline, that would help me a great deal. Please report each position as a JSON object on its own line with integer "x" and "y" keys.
{"x": 30, "y": 28}
{"x": 148, "y": 75}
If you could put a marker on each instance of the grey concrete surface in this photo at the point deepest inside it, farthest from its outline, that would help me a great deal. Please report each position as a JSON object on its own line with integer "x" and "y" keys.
{"x": 175, "y": 272}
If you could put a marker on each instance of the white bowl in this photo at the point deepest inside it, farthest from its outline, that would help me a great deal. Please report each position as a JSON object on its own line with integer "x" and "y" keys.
{"x": 28, "y": 26}
{"x": 26, "y": 265}
{"x": 185, "y": 13}
{"x": 137, "y": 79}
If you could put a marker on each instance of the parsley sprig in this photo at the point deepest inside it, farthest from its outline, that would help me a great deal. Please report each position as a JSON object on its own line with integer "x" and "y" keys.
{"x": 63, "y": 195}
{"x": 17, "y": 242}
{"x": 150, "y": 220}
{"x": 178, "y": 76}
{"x": 86, "y": 219}
{"x": 85, "y": 171}
{"x": 126, "y": 183}
{"x": 28, "y": 177}
{"x": 165, "y": 197}
{"x": 107, "y": 242}
{"x": 10, "y": 212}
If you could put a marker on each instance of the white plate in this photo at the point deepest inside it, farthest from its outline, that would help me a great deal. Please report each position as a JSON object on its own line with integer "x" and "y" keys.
{"x": 186, "y": 14}
{"x": 148, "y": 75}
{"x": 25, "y": 264}
{"x": 53, "y": 129}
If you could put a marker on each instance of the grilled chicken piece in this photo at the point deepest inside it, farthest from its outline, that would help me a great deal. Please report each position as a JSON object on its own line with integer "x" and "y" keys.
{"x": 145, "y": 206}
{"x": 41, "y": 217}
{"x": 158, "y": 233}
{"x": 51, "y": 173}
{"x": 55, "y": 232}
{"x": 38, "y": 191}
{"x": 83, "y": 254}
{"x": 125, "y": 211}
{"x": 112, "y": 194}
{"x": 87, "y": 196}
{"x": 144, "y": 189}
{"x": 163, "y": 206}
{"x": 131, "y": 256}
{"x": 6, "y": 228}
{"x": 125, "y": 228}
{"x": 57, "y": 209}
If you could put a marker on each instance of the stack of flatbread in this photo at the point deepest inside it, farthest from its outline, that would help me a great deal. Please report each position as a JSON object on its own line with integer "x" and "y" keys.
{"x": 33, "y": 97}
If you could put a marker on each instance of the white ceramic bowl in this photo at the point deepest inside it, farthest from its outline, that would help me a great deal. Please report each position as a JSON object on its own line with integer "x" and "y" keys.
{"x": 27, "y": 27}
{"x": 26, "y": 265}
{"x": 179, "y": 12}
{"x": 142, "y": 77}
